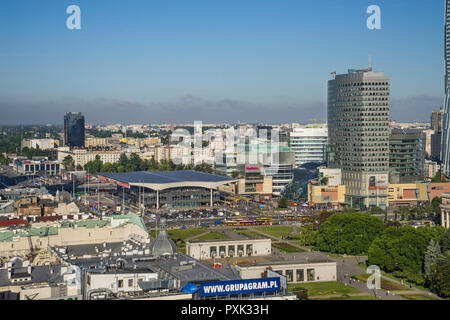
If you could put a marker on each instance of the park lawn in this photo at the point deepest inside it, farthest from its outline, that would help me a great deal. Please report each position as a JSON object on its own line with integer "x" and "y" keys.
{"x": 344, "y": 297}
{"x": 324, "y": 288}
{"x": 417, "y": 297}
{"x": 407, "y": 283}
{"x": 248, "y": 233}
{"x": 276, "y": 231}
{"x": 299, "y": 243}
{"x": 213, "y": 236}
{"x": 385, "y": 284}
{"x": 185, "y": 233}
{"x": 286, "y": 247}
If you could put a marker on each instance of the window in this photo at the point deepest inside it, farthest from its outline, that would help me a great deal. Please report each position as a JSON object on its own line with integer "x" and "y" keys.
{"x": 212, "y": 251}
{"x": 120, "y": 285}
{"x": 310, "y": 273}
{"x": 140, "y": 280}
{"x": 289, "y": 275}
{"x": 130, "y": 282}
{"x": 231, "y": 250}
{"x": 300, "y": 275}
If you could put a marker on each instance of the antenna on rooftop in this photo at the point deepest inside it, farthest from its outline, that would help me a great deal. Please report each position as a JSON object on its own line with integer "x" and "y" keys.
{"x": 370, "y": 62}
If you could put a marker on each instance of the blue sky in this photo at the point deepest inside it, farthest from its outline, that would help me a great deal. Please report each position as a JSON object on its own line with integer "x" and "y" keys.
{"x": 179, "y": 61}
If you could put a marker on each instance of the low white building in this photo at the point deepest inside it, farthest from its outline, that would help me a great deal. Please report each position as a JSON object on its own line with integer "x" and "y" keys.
{"x": 294, "y": 271}
{"x": 203, "y": 250}
{"x": 117, "y": 281}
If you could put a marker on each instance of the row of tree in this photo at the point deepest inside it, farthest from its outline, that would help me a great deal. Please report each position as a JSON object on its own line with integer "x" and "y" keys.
{"x": 135, "y": 163}
{"x": 419, "y": 255}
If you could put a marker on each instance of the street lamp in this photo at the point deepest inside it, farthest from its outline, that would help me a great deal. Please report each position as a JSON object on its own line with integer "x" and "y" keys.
{"x": 359, "y": 248}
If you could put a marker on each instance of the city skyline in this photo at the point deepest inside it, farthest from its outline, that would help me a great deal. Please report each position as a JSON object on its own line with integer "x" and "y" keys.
{"x": 221, "y": 62}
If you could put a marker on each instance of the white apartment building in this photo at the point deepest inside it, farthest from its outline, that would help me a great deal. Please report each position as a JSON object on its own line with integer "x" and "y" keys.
{"x": 309, "y": 145}
{"x": 84, "y": 155}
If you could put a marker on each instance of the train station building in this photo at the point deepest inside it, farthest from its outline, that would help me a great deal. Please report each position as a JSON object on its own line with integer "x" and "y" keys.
{"x": 170, "y": 189}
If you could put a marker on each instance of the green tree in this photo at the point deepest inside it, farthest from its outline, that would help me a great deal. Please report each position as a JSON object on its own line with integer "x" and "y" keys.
{"x": 108, "y": 167}
{"x": 68, "y": 163}
{"x": 235, "y": 174}
{"x": 350, "y": 233}
{"x": 136, "y": 162}
{"x": 402, "y": 248}
{"x": 123, "y": 160}
{"x": 308, "y": 236}
{"x": 94, "y": 166}
{"x": 440, "y": 276}
{"x": 4, "y": 161}
{"x": 283, "y": 202}
{"x": 445, "y": 241}
{"x": 433, "y": 252}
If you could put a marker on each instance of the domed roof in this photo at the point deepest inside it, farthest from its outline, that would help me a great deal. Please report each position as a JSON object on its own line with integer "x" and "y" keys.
{"x": 162, "y": 245}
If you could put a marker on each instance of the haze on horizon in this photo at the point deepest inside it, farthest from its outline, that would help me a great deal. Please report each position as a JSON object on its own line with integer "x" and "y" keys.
{"x": 216, "y": 61}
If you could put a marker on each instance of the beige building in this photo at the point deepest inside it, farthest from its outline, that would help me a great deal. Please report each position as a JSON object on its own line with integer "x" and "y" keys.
{"x": 65, "y": 233}
{"x": 323, "y": 195}
{"x": 407, "y": 194}
{"x": 84, "y": 155}
{"x": 445, "y": 210}
{"x": 203, "y": 250}
{"x": 294, "y": 271}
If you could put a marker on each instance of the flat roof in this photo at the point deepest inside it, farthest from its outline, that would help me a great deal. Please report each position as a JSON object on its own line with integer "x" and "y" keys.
{"x": 243, "y": 239}
{"x": 159, "y": 180}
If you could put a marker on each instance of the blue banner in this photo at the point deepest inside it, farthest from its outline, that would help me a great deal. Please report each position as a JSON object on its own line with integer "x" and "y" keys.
{"x": 239, "y": 286}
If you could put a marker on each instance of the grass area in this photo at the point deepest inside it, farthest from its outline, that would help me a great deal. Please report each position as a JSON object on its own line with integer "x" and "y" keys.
{"x": 346, "y": 297}
{"x": 324, "y": 288}
{"x": 407, "y": 283}
{"x": 276, "y": 231}
{"x": 417, "y": 297}
{"x": 299, "y": 243}
{"x": 248, "y": 233}
{"x": 385, "y": 284}
{"x": 213, "y": 236}
{"x": 286, "y": 247}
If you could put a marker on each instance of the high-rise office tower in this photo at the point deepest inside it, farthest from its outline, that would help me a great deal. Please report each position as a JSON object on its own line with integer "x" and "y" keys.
{"x": 436, "y": 120}
{"x": 358, "y": 135}
{"x": 445, "y": 150}
{"x": 74, "y": 129}
{"x": 406, "y": 155}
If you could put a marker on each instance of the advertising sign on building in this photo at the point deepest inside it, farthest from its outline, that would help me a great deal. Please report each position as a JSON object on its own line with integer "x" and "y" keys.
{"x": 240, "y": 286}
{"x": 378, "y": 181}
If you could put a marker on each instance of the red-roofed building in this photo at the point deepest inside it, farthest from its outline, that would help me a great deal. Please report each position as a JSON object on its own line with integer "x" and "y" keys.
{"x": 12, "y": 222}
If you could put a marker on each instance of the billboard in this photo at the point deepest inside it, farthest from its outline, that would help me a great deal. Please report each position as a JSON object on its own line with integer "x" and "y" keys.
{"x": 378, "y": 181}
{"x": 217, "y": 288}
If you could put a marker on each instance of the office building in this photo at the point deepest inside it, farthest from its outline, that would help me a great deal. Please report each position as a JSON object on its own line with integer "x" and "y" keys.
{"x": 41, "y": 144}
{"x": 272, "y": 160}
{"x": 309, "y": 145}
{"x": 74, "y": 129}
{"x": 437, "y": 118}
{"x": 406, "y": 155}
{"x": 445, "y": 142}
{"x": 358, "y": 135}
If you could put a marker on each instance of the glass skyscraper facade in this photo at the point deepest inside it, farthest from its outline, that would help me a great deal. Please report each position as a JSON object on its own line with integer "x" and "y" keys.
{"x": 358, "y": 135}
{"x": 445, "y": 155}
{"x": 74, "y": 129}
